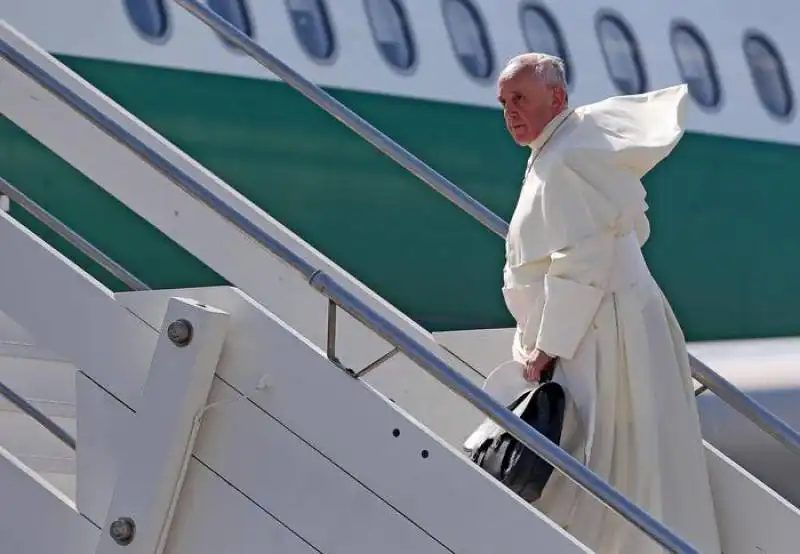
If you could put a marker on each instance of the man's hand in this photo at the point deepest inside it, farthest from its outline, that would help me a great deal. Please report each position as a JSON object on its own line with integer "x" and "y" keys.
{"x": 536, "y": 364}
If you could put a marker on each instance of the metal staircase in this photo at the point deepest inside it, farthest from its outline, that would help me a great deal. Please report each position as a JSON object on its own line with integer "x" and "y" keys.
{"x": 35, "y": 383}
{"x": 186, "y": 445}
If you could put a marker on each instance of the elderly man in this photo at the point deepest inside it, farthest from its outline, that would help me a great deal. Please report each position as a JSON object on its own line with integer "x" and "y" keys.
{"x": 583, "y": 298}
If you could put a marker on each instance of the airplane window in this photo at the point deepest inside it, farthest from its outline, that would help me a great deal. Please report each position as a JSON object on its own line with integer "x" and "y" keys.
{"x": 769, "y": 75}
{"x": 468, "y": 37}
{"x": 235, "y": 13}
{"x": 149, "y": 17}
{"x": 542, "y": 34}
{"x": 621, "y": 52}
{"x": 696, "y": 65}
{"x": 391, "y": 31}
{"x": 312, "y": 27}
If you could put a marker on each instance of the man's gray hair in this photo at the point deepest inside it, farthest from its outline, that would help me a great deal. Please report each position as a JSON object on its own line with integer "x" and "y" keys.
{"x": 550, "y": 69}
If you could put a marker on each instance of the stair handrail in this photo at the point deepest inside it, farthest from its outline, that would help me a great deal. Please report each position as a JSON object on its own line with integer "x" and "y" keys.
{"x": 65, "y": 232}
{"x": 348, "y": 118}
{"x": 358, "y": 309}
{"x": 57, "y": 226}
{"x": 726, "y": 391}
{"x": 40, "y": 417}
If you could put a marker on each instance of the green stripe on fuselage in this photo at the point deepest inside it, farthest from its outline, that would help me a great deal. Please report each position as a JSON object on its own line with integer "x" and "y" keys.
{"x": 723, "y": 245}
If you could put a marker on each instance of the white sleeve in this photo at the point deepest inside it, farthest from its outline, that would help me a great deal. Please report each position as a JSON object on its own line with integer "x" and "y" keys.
{"x": 574, "y": 287}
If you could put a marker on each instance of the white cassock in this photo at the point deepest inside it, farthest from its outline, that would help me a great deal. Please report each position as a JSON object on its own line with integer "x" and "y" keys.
{"x": 579, "y": 289}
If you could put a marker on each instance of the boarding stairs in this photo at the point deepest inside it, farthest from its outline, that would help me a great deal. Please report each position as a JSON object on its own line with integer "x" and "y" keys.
{"x": 260, "y": 417}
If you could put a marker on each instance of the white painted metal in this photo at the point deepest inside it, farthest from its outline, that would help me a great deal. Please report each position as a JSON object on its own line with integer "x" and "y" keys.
{"x": 246, "y": 527}
{"x": 103, "y": 421}
{"x": 19, "y": 433}
{"x": 154, "y": 313}
{"x": 382, "y": 472}
{"x": 36, "y": 518}
{"x": 202, "y": 232}
{"x": 315, "y": 441}
{"x": 207, "y": 235}
{"x": 17, "y": 344}
{"x": 92, "y": 328}
{"x": 161, "y": 438}
{"x": 769, "y": 371}
{"x": 47, "y": 383}
{"x": 212, "y": 516}
{"x": 349, "y": 516}
{"x": 759, "y": 517}
{"x": 751, "y": 517}
{"x": 313, "y": 429}
{"x": 746, "y": 507}
{"x": 79, "y": 320}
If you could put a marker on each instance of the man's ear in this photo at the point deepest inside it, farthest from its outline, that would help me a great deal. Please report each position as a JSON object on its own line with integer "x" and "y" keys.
{"x": 559, "y": 99}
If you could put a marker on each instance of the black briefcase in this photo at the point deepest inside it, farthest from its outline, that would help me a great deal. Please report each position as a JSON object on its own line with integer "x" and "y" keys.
{"x": 508, "y": 460}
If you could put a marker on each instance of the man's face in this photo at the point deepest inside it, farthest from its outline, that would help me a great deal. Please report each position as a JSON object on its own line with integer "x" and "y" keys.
{"x": 528, "y": 105}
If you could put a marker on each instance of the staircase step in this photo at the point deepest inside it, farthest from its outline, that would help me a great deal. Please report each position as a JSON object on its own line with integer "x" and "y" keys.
{"x": 65, "y": 482}
{"x": 38, "y": 449}
{"x": 50, "y": 408}
{"x": 23, "y": 436}
{"x": 50, "y": 385}
{"x": 47, "y": 382}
